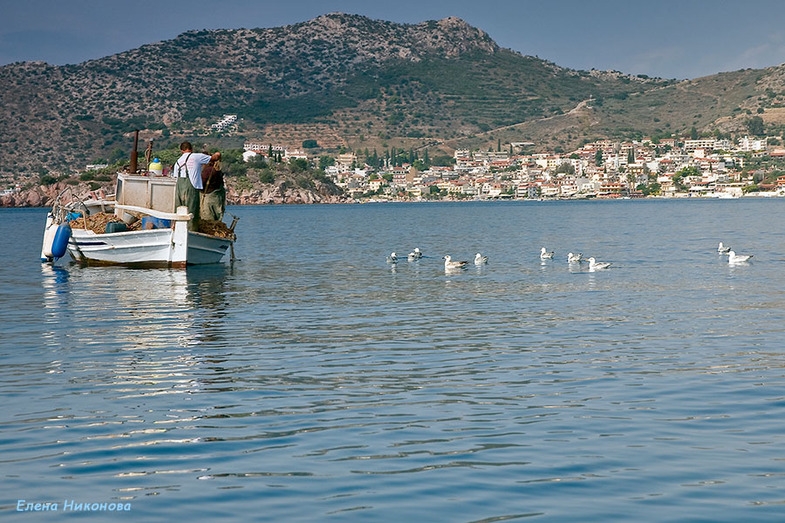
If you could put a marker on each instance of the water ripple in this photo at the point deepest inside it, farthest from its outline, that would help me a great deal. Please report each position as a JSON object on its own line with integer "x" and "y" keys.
{"x": 305, "y": 383}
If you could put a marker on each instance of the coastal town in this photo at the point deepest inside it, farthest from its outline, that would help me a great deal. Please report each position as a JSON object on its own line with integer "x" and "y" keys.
{"x": 661, "y": 168}
{"x": 603, "y": 169}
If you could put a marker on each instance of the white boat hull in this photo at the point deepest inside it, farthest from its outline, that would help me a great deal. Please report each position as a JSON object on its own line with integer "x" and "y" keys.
{"x": 156, "y": 247}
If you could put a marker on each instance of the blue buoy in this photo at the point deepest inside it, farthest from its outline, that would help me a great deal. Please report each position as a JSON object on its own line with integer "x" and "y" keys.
{"x": 60, "y": 243}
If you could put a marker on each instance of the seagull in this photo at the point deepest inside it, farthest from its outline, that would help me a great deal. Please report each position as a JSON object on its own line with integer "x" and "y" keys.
{"x": 722, "y": 249}
{"x": 479, "y": 259}
{"x": 574, "y": 258}
{"x": 453, "y": 265}
{"x": 415, "y": 255}
{"x": 738, "y": 258}
{"x": 545, "y": 255}
{"x": 594, "y": 265}
{"x": 392, "y": 258}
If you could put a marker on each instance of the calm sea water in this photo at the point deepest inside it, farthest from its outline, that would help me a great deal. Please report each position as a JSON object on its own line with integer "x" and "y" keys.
{"x": 312, "y": 381}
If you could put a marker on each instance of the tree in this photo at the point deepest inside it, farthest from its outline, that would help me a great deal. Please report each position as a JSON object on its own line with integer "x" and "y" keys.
{"x": 267, "y": 176}
{"x": 678, "y": 178}
{"x": 326, "y": 161}
{"x": 117, "y": 154}
{"x": 755, "y": 126}
{"x": 257, "y": 162}
{"x": 651, "y": 188}
{"x": 443, "y": 161}
{"x": 631, "y": 179}
{"x": 298, "y": 165}
{"x": 598, "y": 157}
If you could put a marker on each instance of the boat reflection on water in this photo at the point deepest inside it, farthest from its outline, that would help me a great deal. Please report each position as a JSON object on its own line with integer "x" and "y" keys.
{"x": 143, "y": 327}
{"x": 55, "y": 283}
{"x": 206, "y": 287}
{"x": 145, "y": 308}
{"x": 56, "y": 286}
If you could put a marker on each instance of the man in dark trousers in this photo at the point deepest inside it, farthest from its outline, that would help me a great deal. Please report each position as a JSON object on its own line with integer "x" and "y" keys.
{"x": 214, "y": 192}
{"x": 188, "y": 171}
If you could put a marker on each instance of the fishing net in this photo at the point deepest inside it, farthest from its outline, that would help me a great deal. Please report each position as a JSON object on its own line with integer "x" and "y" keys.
{"x": 98, "y": 222}
{"x": 216, "y": 228}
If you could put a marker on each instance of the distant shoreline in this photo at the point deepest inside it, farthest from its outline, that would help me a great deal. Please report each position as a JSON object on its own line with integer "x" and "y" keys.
{"x": 486, "y": 200}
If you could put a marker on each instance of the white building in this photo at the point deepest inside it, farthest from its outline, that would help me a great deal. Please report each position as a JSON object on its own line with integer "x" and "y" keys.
{"x": 748, "y": 144}
{"x": 227, "y": 121}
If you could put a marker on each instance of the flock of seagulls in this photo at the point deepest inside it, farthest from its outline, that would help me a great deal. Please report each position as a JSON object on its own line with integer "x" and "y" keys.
{"x": 577, "y": 259}
{"x": 449, "y": 263}
{"x": 545, "y": 254}
{"x": 482, "y": 259}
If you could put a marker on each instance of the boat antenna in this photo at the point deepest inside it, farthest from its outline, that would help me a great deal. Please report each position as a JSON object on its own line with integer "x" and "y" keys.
{"x": 148, "y": 153}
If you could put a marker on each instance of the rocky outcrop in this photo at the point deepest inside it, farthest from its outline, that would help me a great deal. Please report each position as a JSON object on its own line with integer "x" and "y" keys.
{"x": 281, "y": 193}
{"x": 45, "y": 195}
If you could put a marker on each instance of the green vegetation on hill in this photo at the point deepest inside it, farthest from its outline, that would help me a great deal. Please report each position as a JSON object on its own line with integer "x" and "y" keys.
{"x": 377, "y": 85}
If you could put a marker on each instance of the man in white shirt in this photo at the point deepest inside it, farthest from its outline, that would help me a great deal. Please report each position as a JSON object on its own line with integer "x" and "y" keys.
{"x": 188, "y": 171}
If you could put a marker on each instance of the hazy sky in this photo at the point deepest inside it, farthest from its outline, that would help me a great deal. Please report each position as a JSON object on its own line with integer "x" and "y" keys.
{"x": 665, "y": 38}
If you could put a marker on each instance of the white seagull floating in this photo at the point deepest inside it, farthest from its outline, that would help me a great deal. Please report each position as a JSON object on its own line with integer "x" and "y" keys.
{"x": 392, "y": 258}
{"x": 722, "y": 249}
{"x": 449, "y": 264}
{"x": 415, "y": 255}
{"x": 594, "y": 265}
{"x": 738, "y": 258}
{"x": 545, "y": 255}
{"x": 574, "y": 258}
{"x": 479, "y": 259}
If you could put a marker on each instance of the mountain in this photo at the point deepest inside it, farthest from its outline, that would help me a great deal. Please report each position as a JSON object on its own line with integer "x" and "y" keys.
{"x": 348, "y": 81}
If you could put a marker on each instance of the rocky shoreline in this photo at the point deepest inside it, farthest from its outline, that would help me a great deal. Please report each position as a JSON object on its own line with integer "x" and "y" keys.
{"x": 263, "y": 194}
{"x": 279, "y": 194}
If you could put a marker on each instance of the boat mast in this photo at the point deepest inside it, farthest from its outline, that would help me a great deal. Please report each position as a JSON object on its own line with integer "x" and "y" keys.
{"x": 134, "y": 153}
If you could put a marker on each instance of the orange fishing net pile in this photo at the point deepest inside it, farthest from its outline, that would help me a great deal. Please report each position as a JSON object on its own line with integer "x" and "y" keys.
{"x": 216, "y": 228}
{"x": 97, "y": 222}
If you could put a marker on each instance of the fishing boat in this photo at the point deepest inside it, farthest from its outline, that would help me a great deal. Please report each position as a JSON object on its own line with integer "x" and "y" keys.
{"x": 138, "y": 227}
